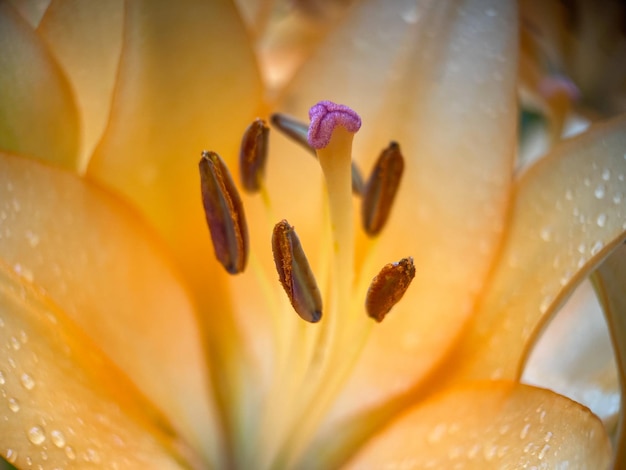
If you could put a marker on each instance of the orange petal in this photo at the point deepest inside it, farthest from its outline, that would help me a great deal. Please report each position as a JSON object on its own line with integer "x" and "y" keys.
{"x": 439, "y": 79}
{"x": 63, "y": 403}
{"x": 187, "y": 82}
{"x": 105, "y": 269}
{"x": 569, "y": 211}
{"x": 86, "y": 38}
{"x": 491, "y": 425}
{"x": 610, "y": 279}
{"x": 38, "y": 116}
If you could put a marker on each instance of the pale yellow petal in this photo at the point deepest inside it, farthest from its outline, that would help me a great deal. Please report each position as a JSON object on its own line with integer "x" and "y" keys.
{"x": 187, "y": 82}
{"x": 491, "y": 425}
{"x": 101, "y": 264}
{"x": 568, "y": 212}
{"x": 439, "y": 78}
{"x": 86, "y": 39}
{"x": 610, "y": 279}
{"x": 38, "y": 115}
{"x": 31, "y": 10}
{"x": 63, "y": 403}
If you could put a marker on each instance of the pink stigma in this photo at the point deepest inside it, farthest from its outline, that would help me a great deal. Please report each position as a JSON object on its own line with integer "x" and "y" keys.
{"x": 325, "y": 116}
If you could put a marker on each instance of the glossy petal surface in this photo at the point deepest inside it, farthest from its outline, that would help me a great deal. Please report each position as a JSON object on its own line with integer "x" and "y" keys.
{"x": 104, "y": 268}
{"x": 610, "y": 280}
{"x": 187, "y": 82}
{"x": 568, "y": 212}
{"x": 63, "y": 403}
{"x": 38, "y": 116}
{"x": 86, "y": 39}
{"x": 491, "y": 425}
{"x": 439, "y": 78}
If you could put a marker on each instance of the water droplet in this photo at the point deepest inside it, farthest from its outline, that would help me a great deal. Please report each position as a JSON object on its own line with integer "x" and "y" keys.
{"x": 587, "y": 181}
{"x": 490, "y": 452}
{"x": 546, "y": 234}
{"x": 606, "y": 174}
{"x": 543, "y": 452}
{"x": 595, "y": 249}
{"x": 15, "y": 343}
{"x": 473, "y": 452}
{"x": 2, "y": 379}
{"x": 11, "y": 456}
{"x": 14, "y": 404}
{"x": 23, "y": 337}
{"x": 44, "y": 456}
{"x": 545, "y": 304}
{"x": 617, "y": 198}
{"x": 92, "y": 456}
{"x": 27, "y": 381}
{"x": 569, "y": 195}
{"x": 58, "y": 438}
{"x": 437, "y": 433}
{"x": 24, "y": 272}
{"x": 548, "y": 436}
{"x": 582, "y": 248}
{"x": 600, "y": 191}
{"x": 70, "y": 453}
{"x": 601, "y": 220}
{"x": 504, "y": 429}
{"x": 524, "y": 432}
{"x": 33, "y": 238}
{"x": 36, "y": 435}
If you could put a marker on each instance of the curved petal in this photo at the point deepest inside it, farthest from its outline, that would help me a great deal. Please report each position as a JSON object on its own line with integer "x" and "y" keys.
{"x": 491, "y": 425}
{"x": 187, "y": 82}
{"x": 63, "y": 402}
{"x": 38, "y": 116}
{"x": 568, "y": 212}
{"x": 104, "y": 268}
{"x": 31, "y": 10}
{"x": 440, "y": 79}
{"x": 610, "y": 279}
{"x": 86, "y": 38}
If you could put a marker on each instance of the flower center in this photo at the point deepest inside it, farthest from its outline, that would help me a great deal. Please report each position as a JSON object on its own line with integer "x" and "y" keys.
{"x": 309, "y": 374}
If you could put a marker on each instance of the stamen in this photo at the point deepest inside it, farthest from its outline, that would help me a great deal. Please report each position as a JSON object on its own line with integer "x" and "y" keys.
{"x": 388, "y": 287}
{"x": 381, "y": 188}
{"x": 253, "y": 155}
{"x": 298, "y": 132}
{"x": 295, "y": 273}
{"x": 224, "y": 213}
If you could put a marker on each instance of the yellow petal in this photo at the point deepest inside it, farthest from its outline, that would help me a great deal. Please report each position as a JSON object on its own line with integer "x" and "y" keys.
{"x": 491, "y": 425}
{"x": 610, "y": 279}
{"x": 187, "y": 82}
{"x": 63, "y": 403}
{"x": 86, "y": 39}
{"x": 38, "y": 116}
{"x": 568, "y": 212}
{"x": 440, "y": 79}
{"x": 105, "y": 269}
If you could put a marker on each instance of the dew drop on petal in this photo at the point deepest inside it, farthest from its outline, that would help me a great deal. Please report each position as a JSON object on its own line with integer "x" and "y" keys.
{"x": 595, "y": 249}
{"x": 606, "y": 174}
{"x": 57, "y": 437}
{"x": 36, "y": 435}
{"x": 11, "y": 456}
{"x": 617, "y": 198}
{"x": 524, "y": 432}
{"x": 27, "y": 381}
{"x": 601, "y": 220}
{"x": 70, "y": 453}
{"x": 600, "y": 191}
{"x": 546, "y": 234}
{"x": 14, "y": 404}
{"x": 2, "y": 379}
{"x": 569, "y": 195}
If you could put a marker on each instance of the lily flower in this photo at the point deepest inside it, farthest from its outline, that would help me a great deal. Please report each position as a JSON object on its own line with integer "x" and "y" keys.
{"x": 124, "y": 341}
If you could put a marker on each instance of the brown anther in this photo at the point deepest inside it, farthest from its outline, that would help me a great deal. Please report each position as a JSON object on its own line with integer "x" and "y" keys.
{"x": 388, "y": 287}
{"x": 295, "y": 274}
{"x": 298, "y": 132}
{"x": 253, "y": 155}
{"x": 381, "y": 188}
{"x": 224, "y": 213}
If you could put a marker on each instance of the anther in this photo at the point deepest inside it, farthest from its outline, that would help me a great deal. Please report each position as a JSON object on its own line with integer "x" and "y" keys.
{"x": 224, "y": 213}
{"x": 388, "y": 287}
{"x": 298, "y": 131}
{"x": 381, "y": 188}
{"x": 295, "y": 273}
{"x": 253, "y": 155}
